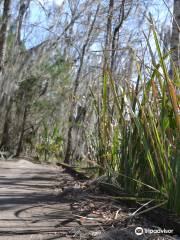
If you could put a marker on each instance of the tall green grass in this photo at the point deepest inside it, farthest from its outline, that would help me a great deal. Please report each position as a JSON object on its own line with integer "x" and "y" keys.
{"x": 139, "y": 141}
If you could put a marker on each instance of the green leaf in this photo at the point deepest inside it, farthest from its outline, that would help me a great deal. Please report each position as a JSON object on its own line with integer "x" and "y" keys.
{"x": 165, "y": 123}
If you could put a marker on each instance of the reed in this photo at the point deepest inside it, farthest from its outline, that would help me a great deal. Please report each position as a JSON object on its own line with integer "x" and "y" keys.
{"x": 139, "y": 141}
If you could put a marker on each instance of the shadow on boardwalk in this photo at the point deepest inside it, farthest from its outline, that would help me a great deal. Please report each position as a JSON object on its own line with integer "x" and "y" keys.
{"x": 40, "y": 202}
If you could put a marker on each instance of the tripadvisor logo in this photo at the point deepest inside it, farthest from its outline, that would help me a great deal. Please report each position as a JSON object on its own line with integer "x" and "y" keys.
{"x": 139, "y": 231}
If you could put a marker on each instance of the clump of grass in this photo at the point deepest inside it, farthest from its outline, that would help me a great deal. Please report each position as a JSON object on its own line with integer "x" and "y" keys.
{"x": 139, "y": 142}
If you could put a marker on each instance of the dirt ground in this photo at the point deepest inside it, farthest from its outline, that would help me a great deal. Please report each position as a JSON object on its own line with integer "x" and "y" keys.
{"x": 42, "y": 202}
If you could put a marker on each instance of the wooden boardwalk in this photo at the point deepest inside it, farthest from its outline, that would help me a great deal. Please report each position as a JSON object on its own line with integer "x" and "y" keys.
{"x": 32, "y": 205}
{"x": 42, "y": 202}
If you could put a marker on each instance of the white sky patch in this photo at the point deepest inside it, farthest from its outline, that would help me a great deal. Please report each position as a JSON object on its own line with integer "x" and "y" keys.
{"x": 56, "y": 2}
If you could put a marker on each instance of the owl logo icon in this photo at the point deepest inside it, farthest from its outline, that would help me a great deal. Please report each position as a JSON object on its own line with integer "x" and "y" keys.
{"x": 139, "y": 231}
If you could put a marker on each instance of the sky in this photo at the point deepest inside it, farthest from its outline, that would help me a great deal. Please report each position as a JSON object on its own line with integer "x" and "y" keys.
{"x": 56, "y": 2}
{"x": 37, "y": 18}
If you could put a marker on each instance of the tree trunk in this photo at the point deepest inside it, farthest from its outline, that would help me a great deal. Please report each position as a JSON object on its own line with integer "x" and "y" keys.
{"x": 19, "y": 148}
{"x": 76, "y": 85}
{"x": 175, "y": 37}
{"x": 24, "y": 4}
{"x": 5, "y": 134}
{"x": 175, "y": 46}
{"x": 108, "y": 39}
{"x": 3, "y": 32}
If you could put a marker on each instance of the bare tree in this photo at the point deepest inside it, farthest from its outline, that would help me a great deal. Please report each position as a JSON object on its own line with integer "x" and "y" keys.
{"x": 76, "y": 84}
{"x": 175, "y": 37}
{"x": 123, "y": 14}
{"x": 3, "y": 32}
{"x": 23, "y": 6}
{"x": 108, "y": 35}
